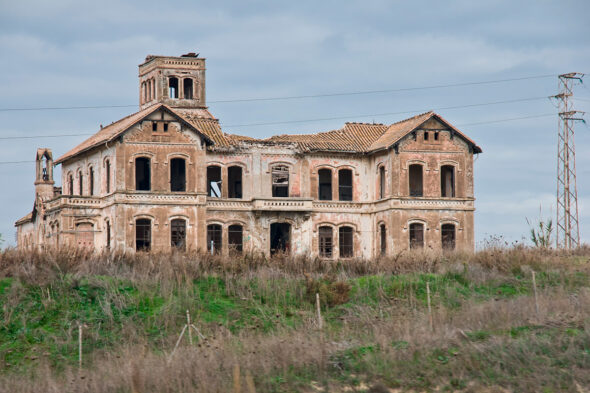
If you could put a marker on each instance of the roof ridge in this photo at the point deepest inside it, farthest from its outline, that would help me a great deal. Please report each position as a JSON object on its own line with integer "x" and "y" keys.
{"x": 413, "y": 117}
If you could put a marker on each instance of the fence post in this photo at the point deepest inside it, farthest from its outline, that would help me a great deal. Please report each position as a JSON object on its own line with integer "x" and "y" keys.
{"x": 79, "y": 345}
{"x": 188, "y": 324}
{"x": 535, "y": 290}
{"x": 317, "y": 305}
{"x": 429, "y": 308}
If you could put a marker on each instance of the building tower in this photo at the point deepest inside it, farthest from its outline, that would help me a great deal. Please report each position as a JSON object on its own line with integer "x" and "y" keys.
{"x": 178, "y": 82}
{"x": 568, "y": 229}
{"x": 44, "y": 173}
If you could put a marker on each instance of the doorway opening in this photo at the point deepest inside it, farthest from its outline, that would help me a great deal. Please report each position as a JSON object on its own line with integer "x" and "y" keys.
{"x": 280, "y": 238}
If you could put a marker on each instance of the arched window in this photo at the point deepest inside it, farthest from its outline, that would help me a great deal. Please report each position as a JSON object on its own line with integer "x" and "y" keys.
{"x": 416, "y": 235}
{"x": 415, "y": 180}
{"x": 144, "y": 91}
{"x": 80, "y": 183}
{"x": 108, "y": 233}
{"x": 143, "y": 234}
{"x": 235, "y": 238}
{"x": 188, "y": 88}
{"x": 383, "y": 238}
{"x": 381, "y": 182}
{"x": 142, "y": 174}
{"x": 448, "y": 236}
{"x": 90, "y": 181}
{"x": 214, "y": 181}
{"x": 173, "y": 87}
{"x": 214, "y": 238}
{"x": 108, "y": 175}
{"x": 345, "y": 185}
{"x": 345, "y": 242}
{"x": 325, "y": 185}
{"x": 178, "y": 234}
{"x": 234, "y": 182}
{"x": 280, "y": 181}
{"x": 149, "y": 90}
{"x": 447, "y": 181}
{"x": 326, "y": 242}
{"x": 177, "y": 175}
{"x": 70, "y": 184}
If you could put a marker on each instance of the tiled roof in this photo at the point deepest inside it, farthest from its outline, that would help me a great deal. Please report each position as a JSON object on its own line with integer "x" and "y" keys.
{"x": 25, "y": 219}
{"x": 209, "y": 126}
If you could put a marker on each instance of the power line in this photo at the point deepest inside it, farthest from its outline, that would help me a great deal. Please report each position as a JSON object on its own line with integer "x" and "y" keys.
{"x": 460, "y": 125}
{"x": 310, "y": 120}
{"x": 283, "y": 98}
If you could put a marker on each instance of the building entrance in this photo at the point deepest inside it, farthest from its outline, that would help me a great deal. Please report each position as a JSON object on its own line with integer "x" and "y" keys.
{"x": 280, "y": 238}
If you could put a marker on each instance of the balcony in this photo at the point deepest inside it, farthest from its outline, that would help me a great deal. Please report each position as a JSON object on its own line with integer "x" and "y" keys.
{"x": 283, "y": 204}
{"x": 436, "y": 203}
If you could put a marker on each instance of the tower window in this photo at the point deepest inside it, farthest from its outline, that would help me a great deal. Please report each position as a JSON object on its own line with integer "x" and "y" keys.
{"x": 173, "y": 87}
{"x": 188, "y": 88}
{"x": 142, "y": 174}
{"x": 325, "y": 185}
{"x": 345, "y": 185}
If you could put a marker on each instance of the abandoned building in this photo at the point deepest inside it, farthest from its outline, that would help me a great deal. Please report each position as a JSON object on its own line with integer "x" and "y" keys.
{"x": 168, "y": 177}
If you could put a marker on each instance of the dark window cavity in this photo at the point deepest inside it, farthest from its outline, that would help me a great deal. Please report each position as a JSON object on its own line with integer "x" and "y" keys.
{"x": 173, "y": 87}
{"x": 142, "y": 174}
{"x": 280, "y": 181}
{"x": 214, "y": 181}
{"x": 280, "y": 238}
{"x": 448, "y": 236}
{"x": 143, "y": 234}
{"x": 235, "y": 238}
{"x": 214, "y": 238}
{"x": 178, "y": 234}
{"x": 415, "y": 180}
{"x": 91, "y": 181}
{"x": 108, "y": 175}
{"x": 177, "y": 175}
{"x": 383, "y": 238}
{"x": 71, "y": 184}
{"x": 325, "y": 185}
{"x": 447, "y": 181}
{"x": 188, "y": 88}
{"x": 416, "y": 235}
{"x": 345, "y": 242}
{"x": 381, "y": 182}
{"x": 326, "y": 242}
{"x": 234, "y": 182}
{"x": 80, "y": 183}
{"x": 345, "y": 185}
{"x": 425, "y": 135}
{"x": 108, "y": 230}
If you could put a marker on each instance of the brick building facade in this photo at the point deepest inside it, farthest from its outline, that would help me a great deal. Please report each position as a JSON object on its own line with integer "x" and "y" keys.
{"x": 169, "y": 177}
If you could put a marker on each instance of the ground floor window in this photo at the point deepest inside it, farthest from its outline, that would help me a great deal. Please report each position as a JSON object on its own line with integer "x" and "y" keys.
{"x": 326, "y": 242}
{"x": 448, "y": 236}
{"x": 416, "y": 235}
{"x": 235, "y": 238}
{"x": 280, "y": 238}
{"x": 345, "y": 242}
{"x": 383, "y": 238}
{"x": 214, "y": 238}
{"x": 143, "y": 234}
{"x": 178, "y": 233}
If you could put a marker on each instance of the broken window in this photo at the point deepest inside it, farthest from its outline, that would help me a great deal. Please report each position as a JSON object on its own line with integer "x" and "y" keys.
{"x": 188, "y": 88}
{"x": 142, "y": 174}
{"x": 326, "y": 242}
{"x": 280, "y": 181}
{"x": 234, "y": 182}
{"x": 345, "y": 242}
{"x": 425, "y": 135}
{"x": 143, "y": 234}
{"x": 178, "y": 234}
{"x": 416, "y": 235}
{"x": 448, "y": 236}
{"x": 108, "y": 175}
{"x": 177, "y": 175}
{"x": 235, "y": 238}
{"x": 71, "y": 184}
{"x": 345, "y": 185}
{"x": 90, "y": 181}
{"x": 280, "y": 238}
{"x": 80, "y": 183}
{"x": 447, "y": 181}
{"x": 214, "y": 181}
{"x": 415, "y": 180}
{"x": 214, "y": 238}
{"x": 173, "y": 87}
{"x": 325, "y": 185}
{"x": 383, "y": 237}
{"x": 381, "y": 182}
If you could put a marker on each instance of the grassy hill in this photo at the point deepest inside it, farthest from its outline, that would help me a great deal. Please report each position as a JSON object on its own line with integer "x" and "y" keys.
{"x": 485, "y": 329}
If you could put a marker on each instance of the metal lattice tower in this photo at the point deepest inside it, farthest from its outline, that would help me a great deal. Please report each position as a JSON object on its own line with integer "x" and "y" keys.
{"x": 568, "y": 228}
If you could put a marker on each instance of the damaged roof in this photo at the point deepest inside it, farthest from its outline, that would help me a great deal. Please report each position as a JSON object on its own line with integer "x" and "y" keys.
{"x": 352, "y": 138}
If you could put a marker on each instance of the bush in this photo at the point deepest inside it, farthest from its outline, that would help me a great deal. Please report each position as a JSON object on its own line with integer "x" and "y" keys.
{"x": 332, "y": 293}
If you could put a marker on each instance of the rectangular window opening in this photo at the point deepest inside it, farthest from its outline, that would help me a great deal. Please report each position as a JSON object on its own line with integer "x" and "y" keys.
{"x": 280, "y": 181}
{"x": 234, "y": 182}
{"x": 325, "y": 185}
{"x": 345, "y": 185}
{"x": 416, "y": 236}
{"x": 326, "y": 242}
{"x": 178, "y": 234}
{"x": 214, "y": 181}
{"x": 235, "y": 238}
{"x": 345, "y": 242}
{"x": 415, "y": 180}
{"x": 214, "y": 238}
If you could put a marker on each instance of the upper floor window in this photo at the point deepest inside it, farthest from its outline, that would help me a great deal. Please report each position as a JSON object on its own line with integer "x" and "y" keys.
{"x": 381, "y": 182}
{"x": 178, "y": 234}
{"x": 448, "y": 236}
{"x": 173, "y": 87}
{"x": 345, "y": 185}
{"x": 326, "y": 242}
{"x": 108, "y": 175}
{"x": 345, "y": 242}
{"x": 447, "y": 181}
{"x": 177, "y": 175}
{"x": 234, "y": 182}
{"x": 70, "y": 184}
{"x": 188, "y": 88}
{"x": 416, "y": 235}
{"x": 415, "y": 180}
{"x": 214, "y": 181}
{"x": 91, "y": 181}
{"x": 80, "y": 183}
{"x": 325, "y": 185}
{"x": 280, "y": 181}
{"x": 142, "y": 174}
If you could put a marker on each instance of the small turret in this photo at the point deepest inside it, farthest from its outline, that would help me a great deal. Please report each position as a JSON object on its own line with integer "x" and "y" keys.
{"x": 44, "y": 174}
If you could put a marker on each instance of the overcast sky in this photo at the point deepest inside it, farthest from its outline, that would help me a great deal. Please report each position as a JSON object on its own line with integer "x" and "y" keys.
{"x": 63, "y": 53}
